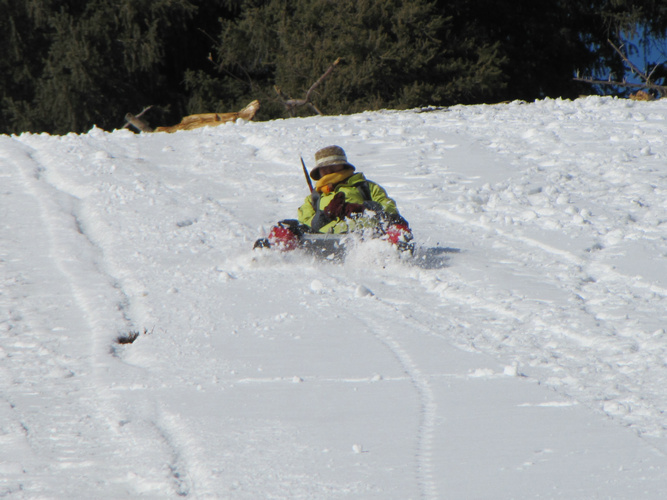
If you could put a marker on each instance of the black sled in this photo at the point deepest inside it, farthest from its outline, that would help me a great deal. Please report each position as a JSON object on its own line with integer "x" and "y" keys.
{"x": 335, "y": 246}
{"x": 326, "y": 246}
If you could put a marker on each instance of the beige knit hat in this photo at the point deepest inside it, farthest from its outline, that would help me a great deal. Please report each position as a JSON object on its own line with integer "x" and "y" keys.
{"x": 326, "y": 157}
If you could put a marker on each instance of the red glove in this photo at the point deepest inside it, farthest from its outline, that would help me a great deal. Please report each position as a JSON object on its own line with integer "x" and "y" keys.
{"x": 336, "y": 207}
{"x": 353, "y": 208}
{"x": 339, "y": 209}
{"x": 399, "y": 233}
{"x": 281, "y": 237}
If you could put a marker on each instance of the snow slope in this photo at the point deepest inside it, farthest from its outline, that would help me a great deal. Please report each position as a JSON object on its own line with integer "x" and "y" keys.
{"x": 533, "y": 366}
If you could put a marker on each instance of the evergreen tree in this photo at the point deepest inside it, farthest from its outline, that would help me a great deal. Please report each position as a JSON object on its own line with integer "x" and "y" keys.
{"x": 636, "y": 27}
{"x": 395, "y": 54}
{"x": 23, "y": 49}
{"x": 546, "y": 43}
{"x": 85, "y": 63}
{"x": 541, "y": 43}
{"x": 66, "y": 65}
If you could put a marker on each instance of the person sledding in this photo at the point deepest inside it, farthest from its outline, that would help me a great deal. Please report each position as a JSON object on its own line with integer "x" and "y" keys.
{"x": 341, "y": 202}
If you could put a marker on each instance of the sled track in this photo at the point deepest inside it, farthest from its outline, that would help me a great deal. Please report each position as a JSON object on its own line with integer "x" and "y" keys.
{"x": 378, "y": 325}
{"x": 70, "y": 358}
{"x": 182, "y": 481}
{"x": 428, "y": 410}
{"x": 595, "y": 316}
{"x": 567, "y": 330}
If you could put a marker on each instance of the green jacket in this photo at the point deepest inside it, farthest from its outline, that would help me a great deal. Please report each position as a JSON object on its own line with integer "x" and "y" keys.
{"x": 382, "y": 206}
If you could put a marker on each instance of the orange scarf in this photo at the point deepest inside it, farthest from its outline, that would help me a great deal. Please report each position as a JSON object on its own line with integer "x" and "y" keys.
{"x": 327, "y": 183}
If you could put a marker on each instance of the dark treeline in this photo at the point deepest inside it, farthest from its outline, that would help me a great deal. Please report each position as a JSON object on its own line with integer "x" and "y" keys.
{"x": 66, "y": 65}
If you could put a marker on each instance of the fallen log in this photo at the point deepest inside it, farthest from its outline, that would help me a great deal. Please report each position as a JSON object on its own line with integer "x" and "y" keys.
{"x": 196, "y": 121}
{"x": 137, "y": 122}
{"x": 212, "y": 119}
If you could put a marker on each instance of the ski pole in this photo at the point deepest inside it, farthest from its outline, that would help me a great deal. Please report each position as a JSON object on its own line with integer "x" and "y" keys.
{"x": 305, "y": 172}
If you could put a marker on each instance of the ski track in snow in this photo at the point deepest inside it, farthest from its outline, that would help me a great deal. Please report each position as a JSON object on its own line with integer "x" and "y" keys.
{"x": 561, "y": 278}
{"x": 625, "y": 310}
{"x": 559, "y": 327}
{"x": 75, "y": 432}
{"x": 380, "y": 326}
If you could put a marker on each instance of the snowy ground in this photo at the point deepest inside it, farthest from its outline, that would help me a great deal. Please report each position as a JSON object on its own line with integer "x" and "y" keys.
{"x": 533, "y": 366}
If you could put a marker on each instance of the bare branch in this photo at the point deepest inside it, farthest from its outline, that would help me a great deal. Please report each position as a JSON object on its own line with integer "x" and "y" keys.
{"x": 314, "y": 108}
{"x": 662, "y": 90}
{"x": 652, "y": 71}
{"x": 322, "y": 78}
{"x": 291, "y": 104}
{"x": 629, "y": 63}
